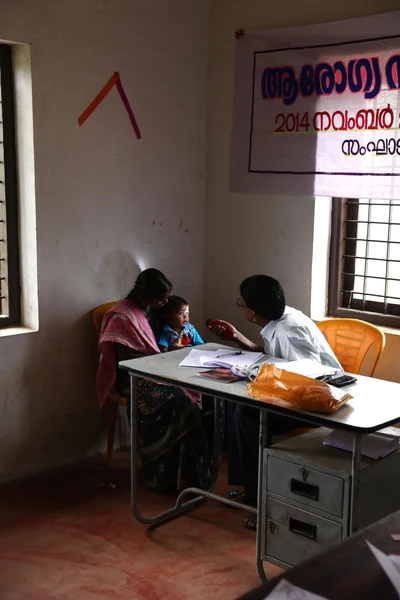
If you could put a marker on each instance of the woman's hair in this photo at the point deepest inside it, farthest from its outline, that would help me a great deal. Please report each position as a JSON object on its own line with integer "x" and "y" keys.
{"x": 264, "y": 295}
{"x": 174, "y": 303}
{"x": 152, "y": 284}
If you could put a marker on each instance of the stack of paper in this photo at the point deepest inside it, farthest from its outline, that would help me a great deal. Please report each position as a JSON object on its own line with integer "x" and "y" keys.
{"x": 309, "y": 368}
{"x": 230, "y": 358}
{"x": 220, "y": 358}
{"x": 373, "y": 445}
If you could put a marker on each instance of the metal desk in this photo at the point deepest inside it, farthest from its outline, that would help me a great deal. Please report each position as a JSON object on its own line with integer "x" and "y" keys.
{"x": 376, "y": 404}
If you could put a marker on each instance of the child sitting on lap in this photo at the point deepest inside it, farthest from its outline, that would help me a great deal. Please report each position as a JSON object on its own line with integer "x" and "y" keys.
{"x": 176, "y": 331}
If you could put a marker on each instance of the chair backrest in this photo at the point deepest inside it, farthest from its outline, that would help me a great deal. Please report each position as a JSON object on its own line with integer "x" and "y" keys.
{"x": 99, "y": 313}
{"x": 350, "y": 339}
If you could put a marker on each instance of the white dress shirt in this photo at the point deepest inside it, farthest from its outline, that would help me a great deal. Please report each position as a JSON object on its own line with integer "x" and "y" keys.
{"x": 295, "y": 336}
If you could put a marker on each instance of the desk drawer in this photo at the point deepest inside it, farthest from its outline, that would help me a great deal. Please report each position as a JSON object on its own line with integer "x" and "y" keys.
{"x": 293, "y": 535}
{"x": 311, "y": 488}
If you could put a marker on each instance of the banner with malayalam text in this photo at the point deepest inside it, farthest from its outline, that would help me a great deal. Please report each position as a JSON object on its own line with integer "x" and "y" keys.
{"x": 317, "y": 110}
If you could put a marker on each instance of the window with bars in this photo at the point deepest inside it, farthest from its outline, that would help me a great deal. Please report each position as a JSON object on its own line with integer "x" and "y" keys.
{"x": 364, "y": 279}
{"x": 10, "y": 303}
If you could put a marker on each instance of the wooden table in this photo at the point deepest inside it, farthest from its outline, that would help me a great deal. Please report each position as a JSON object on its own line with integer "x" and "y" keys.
{"x": 347, "y": 571}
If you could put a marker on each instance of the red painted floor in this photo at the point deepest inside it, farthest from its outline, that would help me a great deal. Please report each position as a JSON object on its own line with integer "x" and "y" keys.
{"x": 63, "y": 537}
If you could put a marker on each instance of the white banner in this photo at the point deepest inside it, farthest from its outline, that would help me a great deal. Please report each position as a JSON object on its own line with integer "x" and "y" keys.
{"x": 317, "y": 110}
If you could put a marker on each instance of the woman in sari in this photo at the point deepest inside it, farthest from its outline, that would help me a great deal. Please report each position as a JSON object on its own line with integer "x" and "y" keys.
{"x": 174, "y": 433}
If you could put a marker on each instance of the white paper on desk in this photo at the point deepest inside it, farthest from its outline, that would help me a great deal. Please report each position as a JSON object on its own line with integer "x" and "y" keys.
{"x": 220, "y": 358}
{"x": 229, "y": 359}
{"x": 196, "y": 358}
{"x": 374, "y": 445}
{"x": 307, "y": 367}
{"x": 287, "y": 591}
{"x": 272, "y": 360}
{"x": 388, "y": 564}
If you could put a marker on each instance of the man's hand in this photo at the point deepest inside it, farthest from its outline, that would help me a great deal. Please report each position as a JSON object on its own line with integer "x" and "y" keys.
{"x": 224, "y": 330}
{"x": 227, "y": 332}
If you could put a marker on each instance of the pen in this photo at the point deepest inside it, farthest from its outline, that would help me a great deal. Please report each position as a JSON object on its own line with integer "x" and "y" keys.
{"x": 230, "y": 354}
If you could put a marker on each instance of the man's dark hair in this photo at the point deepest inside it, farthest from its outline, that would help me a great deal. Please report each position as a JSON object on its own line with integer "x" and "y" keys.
{"x": 152, "y": 283}
{"x": 264, "y": 295}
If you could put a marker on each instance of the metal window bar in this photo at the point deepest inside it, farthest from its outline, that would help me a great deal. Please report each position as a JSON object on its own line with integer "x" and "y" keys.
{"x": 393, "y": 260}
{"x": 347, "y": 265}
{"x": 369, "y": 222}
{"x": 390, "y": 224}
{"x": 371, "y": 294}
{"x": 385, "y": 303}
{"x": 372, "y": 277}
{"x": 372, "y": 203}
{"x": 3, "y": 226}
{"x": 365, "y": 261}
{"x": 369, "y": 240}
{"x": 10, "y": 301}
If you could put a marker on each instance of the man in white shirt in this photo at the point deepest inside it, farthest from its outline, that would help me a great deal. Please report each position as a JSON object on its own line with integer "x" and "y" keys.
{"x": 286, "y": 333}
{"x": 295, "y": 336}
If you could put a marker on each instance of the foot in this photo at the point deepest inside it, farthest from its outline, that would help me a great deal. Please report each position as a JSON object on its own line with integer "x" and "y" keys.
{"x": 236, "y": 496}
{"x": 251, "y": 522}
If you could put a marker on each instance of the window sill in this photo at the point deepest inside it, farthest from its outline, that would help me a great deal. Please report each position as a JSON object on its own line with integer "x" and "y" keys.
{"x": 389, "y": 330}
{"x": 8, "y": 331}
{"x": 384, "y": 328}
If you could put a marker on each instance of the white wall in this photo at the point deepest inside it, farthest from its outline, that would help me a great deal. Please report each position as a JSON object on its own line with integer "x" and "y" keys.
{"x": 247, "y": 234}
{"x": 98, "y": 192}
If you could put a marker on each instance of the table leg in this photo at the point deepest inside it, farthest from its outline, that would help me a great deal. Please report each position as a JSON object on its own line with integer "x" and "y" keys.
{"x": 261, "y": 499}
{"x": 216, "y": 444}
{"x": 180, "y": 505}
{"x": 355, "y": 482}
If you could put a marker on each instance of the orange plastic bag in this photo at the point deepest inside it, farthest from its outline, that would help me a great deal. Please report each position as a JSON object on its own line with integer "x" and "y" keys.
{"x": 283, "y": 388}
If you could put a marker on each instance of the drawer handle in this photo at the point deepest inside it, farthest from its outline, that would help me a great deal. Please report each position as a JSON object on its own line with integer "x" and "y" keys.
{"x": 301, "y": 528}
{"x": 300, "y": 488}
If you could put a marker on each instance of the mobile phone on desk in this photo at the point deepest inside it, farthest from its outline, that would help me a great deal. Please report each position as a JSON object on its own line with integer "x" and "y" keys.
{"x": 342, "y": 380}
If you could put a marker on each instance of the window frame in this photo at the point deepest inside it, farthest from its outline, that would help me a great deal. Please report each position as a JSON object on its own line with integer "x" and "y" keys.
{"x": 11, "y": 190}
{"x": 336, "y": 273}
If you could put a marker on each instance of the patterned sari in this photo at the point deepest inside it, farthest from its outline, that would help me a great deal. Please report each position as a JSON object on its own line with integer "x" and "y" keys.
{"x": 174, "y": 433}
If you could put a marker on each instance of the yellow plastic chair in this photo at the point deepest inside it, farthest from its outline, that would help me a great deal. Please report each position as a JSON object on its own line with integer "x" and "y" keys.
{"x": 97, "y": 317}
{"x": 350, "y": 340}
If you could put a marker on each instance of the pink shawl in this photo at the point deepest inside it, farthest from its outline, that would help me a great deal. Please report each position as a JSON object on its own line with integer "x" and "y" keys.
{"x": 123, "y": 324}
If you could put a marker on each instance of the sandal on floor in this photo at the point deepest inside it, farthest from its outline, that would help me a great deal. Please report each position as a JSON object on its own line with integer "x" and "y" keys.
{"x": 236, "y": 496}
{"x": 250, "y": 522}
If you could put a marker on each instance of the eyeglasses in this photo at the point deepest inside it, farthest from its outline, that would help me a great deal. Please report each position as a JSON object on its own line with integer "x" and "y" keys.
{"x": 239, "y": 303}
